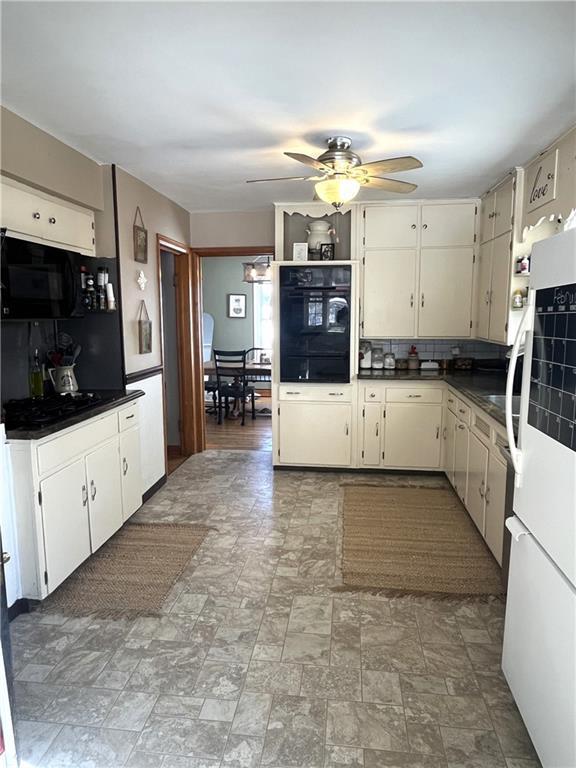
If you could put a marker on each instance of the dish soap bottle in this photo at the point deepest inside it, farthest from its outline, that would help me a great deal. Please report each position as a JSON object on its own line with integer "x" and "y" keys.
{"x": 413, "y": 359}
{"x": 36, "y": 377}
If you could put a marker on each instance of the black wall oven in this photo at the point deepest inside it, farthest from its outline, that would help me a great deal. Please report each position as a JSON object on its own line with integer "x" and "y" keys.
{"x": 315, "y": 307}
{"x": 38, "y": 281}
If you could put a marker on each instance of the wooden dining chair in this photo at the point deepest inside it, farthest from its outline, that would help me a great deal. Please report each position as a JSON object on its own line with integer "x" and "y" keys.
{"x": 231, "y": 365}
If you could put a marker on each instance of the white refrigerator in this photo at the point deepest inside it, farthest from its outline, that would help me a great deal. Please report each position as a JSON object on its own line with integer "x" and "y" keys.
{"x": 539, "y": 654}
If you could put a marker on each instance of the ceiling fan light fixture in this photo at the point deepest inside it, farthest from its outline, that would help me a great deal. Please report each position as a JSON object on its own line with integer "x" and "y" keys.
{"x": 337, "y": 191}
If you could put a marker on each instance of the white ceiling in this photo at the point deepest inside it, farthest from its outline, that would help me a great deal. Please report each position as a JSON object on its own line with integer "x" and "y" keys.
{"x": 195, "y": 98}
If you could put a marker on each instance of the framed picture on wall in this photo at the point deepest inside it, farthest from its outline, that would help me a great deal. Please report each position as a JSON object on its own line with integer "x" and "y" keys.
{"x": 237, "y": 305}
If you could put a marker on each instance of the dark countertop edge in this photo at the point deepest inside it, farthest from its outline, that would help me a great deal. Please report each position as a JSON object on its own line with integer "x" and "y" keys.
{"x": 39, "y": 434}
{"x": 466, "y": 382}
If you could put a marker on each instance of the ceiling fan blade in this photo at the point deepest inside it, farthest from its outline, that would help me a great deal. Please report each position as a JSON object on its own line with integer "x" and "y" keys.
{"x": 311, "y": 161}
{"x": 391, "y": 165}
{"x": 283, "y": 178}
{"x": 390, "y": 185}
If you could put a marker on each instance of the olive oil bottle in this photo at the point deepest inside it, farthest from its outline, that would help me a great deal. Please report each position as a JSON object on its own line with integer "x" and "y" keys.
{"x": 36, "y": 377}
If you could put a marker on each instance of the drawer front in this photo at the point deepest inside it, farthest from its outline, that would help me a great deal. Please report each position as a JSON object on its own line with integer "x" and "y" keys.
{"x": 63, "y": 449}
{"x": 128, "y": 417}
{"x": 463, "y": 412}
{"x": 321, "y": 393}
{"x": 452, "y": 402}
{"x": 374, "y": 394}
{"x": 413, "y": 395}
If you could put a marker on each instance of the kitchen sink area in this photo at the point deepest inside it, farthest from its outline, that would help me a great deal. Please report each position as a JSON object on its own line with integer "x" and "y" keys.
{"x": 500, "y": 402}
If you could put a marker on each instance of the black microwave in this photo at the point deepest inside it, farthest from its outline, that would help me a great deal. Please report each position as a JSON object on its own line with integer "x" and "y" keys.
{"x": 39, "y": 281}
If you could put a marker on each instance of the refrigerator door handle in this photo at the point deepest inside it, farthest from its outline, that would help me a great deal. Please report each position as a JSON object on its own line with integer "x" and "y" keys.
{"x": 515, "y": 453}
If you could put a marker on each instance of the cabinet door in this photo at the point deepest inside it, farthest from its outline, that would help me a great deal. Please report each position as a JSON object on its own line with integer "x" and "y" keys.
{"x": 500, "y": 287}
{"x": 451, "y": 225}
{"x": 22, "y": 211}
{"x": 477, "y": 470}
{"x": 484, "y": 284}
{"x": 389, "y": 294}
{"x": 315, "y": 433}
{"x": 487, "y": 217}
{"x": 104, "y": 487}
{"x": 449, "y": 439}
{"x": 391, "y": 226}
{"x": 131, "y": 472}
{"x": 495, "y": 506}
{"x": 461, "y": 460}
{"x": 412, "y": 435}
{"x": 445, "y": 292}
{"x": 69, "y": 226}
{"x": 65, "y": 521}
{"x": 504, "y": 208}
{"x": 371, "y": 435}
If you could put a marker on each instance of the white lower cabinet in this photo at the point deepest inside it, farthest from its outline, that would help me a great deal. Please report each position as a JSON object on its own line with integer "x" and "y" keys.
{"x": 477, "y": 473}
{"x": 371, "y": 434}
{"x": 131, "y": 475}
{"x": 495, "y": 506}
{"x": 105, "y": 495}
{"x": 315, "y": 433}
{"x": 461, "y": 460}
{"x": 449, "y": 439}
{"x": 412, "y": 435}
{"x": 65, "y": 522}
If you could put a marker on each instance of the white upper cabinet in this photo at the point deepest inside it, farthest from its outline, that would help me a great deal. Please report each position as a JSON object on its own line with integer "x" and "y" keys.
{"x": 483, "y": 288}
{"x": 389, "y": 293}
{"x": 37, "y": 216}
{"x": 391, "y": 226}
{"x": 487, "y": 217}
{"x": 445, "y": 297}
{"x": 451, "y": 224}
{"x": 504, "y": 207}
{"x": 500, "y": 289}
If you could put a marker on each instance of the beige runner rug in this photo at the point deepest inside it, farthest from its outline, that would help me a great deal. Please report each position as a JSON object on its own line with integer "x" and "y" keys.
{"x": 132, "y": 573}
{"x": 413, "y": 541}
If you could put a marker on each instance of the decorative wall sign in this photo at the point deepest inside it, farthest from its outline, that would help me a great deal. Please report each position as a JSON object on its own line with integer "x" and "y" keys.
{"x": 140, "y": 238}
{"x": 541, "y": 181}
{"x": 144, "y": 330}
{"x": 237, "y": 305}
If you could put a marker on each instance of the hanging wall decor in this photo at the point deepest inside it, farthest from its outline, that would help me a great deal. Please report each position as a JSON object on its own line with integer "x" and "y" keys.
{"x": 144, "y": 330}
{"x": 237, "y": 305}
{"x": 140, "y": 238}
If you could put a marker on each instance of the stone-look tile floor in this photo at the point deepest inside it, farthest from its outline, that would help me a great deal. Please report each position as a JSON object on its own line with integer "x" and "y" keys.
{"x": 256, "y": 661}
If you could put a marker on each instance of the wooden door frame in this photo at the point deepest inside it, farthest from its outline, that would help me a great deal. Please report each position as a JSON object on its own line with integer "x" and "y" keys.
{"x": 192, "y": 438}
{"x": 196, "y": 256}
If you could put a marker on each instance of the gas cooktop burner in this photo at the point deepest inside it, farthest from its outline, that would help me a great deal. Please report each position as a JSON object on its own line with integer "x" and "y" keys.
{"x": 44, "y": 412}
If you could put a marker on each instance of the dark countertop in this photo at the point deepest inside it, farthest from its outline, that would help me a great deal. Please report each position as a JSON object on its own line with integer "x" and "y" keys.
{"x": 109, "y": 399}
{"x": 475, "y": 385}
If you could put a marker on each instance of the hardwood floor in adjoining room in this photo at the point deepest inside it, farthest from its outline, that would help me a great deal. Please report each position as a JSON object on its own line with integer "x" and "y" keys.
{"x": 255, "y": 435}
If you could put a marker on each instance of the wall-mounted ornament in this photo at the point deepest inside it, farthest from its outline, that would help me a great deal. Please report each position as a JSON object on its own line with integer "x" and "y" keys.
{"x": 144, "y": 330}
{"x": 140, "y": 238}
{"x": 141, "y": 280}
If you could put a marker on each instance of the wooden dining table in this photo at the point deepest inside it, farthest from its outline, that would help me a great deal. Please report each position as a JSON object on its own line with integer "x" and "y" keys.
{"x": 256, "y": 369}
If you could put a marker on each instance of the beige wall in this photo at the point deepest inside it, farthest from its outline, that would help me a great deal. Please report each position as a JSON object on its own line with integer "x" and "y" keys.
{"x": 210, "y": 230}
{"x": 161, "y": 216}
{"x": 36, "y": 158}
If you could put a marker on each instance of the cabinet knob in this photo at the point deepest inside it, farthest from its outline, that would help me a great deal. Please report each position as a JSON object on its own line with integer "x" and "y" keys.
{"x": 550, "y": 176}
{"x": 93, "y": 490}
{"x": 413, "y": 226}
{"x": 411, "y": 299}
{"x": 5, "y": 558}
{"x": 424, "y": 226}
{"x": 124, "y": 466}
{"x": 422, "y": 301}
{"x": 84, "y": 495}
{"x": 52, "y": 220}
{"x": 35, "y": 215}
{"x": 372, "y": 394}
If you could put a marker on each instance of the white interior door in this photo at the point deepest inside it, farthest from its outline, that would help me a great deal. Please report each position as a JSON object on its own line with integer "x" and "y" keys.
{"x": 371, "y": 438}
{"x": 389, "y": 293}
{"x": 495, "y": 506}
{"x": 412, "y": 435}
{"x": 391, "y": 226}
{"x": 448, "y": 225}
{"x": 500, "y": 288}
{"x": 131, "y": 474}
{"x": 315, "y": 433}
{"x": 445, "y": 300}
{"x": 65, "y": 517}
{"x": 104, "y": 487}
{"x": 483, "y": 290}
{"x": 477, "y": 471}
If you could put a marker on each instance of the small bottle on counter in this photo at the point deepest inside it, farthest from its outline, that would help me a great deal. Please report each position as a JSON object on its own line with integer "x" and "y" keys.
{"x": 413, "y": 359}
{"x": 36, "y": 377}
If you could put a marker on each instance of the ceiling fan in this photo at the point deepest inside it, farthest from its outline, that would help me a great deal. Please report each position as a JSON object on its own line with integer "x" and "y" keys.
{"x": 342, "y": 172}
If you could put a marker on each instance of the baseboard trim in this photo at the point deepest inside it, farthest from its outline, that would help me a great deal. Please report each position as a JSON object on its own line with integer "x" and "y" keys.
{"x": 154, "y": 488}
{"x": 22, "y": 605}
{"x": 355, "y": 470}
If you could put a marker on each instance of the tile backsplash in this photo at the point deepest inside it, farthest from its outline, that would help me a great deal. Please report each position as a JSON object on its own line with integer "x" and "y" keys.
{"x": 438, "y": 349}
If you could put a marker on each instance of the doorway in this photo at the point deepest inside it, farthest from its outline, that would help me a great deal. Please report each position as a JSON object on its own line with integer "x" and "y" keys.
{"x": 237, "y": 315}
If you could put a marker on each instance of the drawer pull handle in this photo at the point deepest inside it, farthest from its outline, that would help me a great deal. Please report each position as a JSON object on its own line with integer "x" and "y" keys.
{"x": 292, "y": 393}
{"x": 346, "y": 428}
{"x": 422, "y": 301}
{"x": 411, "y": 299}
{"x": 84, "y": 495}
{"x": 424, "y": 226}
{"x": 52, "y": 220}
{"x": 124, "y": 466}
{"x": 413, "y": 226}
{"x": 372, "y": 394}
{"x": 92, "y": 490}
{"x": 413, "y": 395}
{"x": 36, "y": 215}
{"x": 377, "y": 429}
{"x": 335, "y": 394}
{"x": 130, "y": 417}
{"x": 461, "y": 426}
{"x": 481, "y": 489}
{"x": 437, "y": 433}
